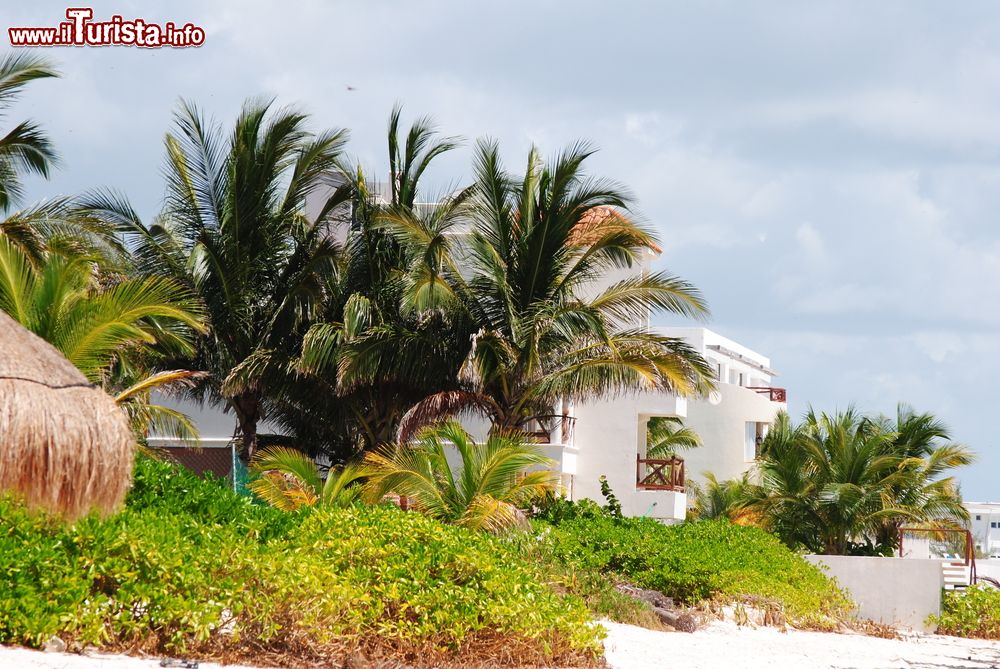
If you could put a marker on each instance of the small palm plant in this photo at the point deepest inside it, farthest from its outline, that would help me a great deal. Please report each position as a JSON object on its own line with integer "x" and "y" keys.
{"x": 665, "y": 435}
{"x": 716, "y": 499}
{"x": 290, "y": 480}
{"x": 485, "y": 493}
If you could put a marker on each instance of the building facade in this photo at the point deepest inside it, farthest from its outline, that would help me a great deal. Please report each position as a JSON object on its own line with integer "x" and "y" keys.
{"x": 984, "y": 522}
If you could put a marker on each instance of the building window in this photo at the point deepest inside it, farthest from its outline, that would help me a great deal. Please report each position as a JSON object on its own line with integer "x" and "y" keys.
{"x": 755, "y": 433}
{"x": 994, "y": 525}
{"x": 979, "y": 517}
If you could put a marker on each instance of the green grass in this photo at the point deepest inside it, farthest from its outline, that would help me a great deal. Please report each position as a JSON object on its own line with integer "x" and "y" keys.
{"x": 191, "y": 568}
{"x": 697, "y": 563}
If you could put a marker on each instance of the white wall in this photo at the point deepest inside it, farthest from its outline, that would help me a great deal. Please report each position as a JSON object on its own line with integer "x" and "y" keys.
{"x": 722, "y": 428}
{"x": 212, "y": 422}
{"x": 609, "y": 434}
{"x": 892, "y": 591}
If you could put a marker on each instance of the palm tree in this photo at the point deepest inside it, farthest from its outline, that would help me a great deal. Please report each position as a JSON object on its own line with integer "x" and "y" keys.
{"x": 665, "y": 435}
{"x": 373, "y": 355}
{"x": 835, "y": 483}
{"x": 235, "y": 233}
{"x": 485, "y": 493}
{"x": 926, "y": 445}
{"x": 716, "y": 499}
{"x": 517, "y": 284}
{"x": 26, "y": 148}
{"x": 289, "y": 479}
{"x": 112, "y": 329}
{"x": 51, "y": 225}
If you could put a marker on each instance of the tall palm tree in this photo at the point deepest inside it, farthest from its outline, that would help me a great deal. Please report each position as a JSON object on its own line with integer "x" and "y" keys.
{"x": 51, "y": 225}
{"x": 517, "y": 278}
{"x": 485, "y": 493}
{"x": 110, "y": 328}
{"x": 234, "y": 231}
{"x": 374, "y": 355}
{"x": 665, "y": 435}
{"x": 26, "y": 147}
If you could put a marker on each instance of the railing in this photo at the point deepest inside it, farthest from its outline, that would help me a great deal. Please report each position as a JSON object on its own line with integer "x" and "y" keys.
{"x": 567, "y": 426}
{"x": 659, "y": 474}
{"x": 969, "y": 562}
{"x": 773, "y": 394}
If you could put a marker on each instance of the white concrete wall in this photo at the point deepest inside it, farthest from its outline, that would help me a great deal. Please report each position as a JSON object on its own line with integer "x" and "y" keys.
{"x": 608, "y": 436}
{"x": 892, "y": 591}
{"x": 722, "y": 428}
{"x": 212, "y": 422}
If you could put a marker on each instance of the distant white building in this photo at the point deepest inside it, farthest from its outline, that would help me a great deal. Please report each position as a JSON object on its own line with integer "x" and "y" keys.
{"x": 608, "y": 437}
{"x": 984, "y": 522}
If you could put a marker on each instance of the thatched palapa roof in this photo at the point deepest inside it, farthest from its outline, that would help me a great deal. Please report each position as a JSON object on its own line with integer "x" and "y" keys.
{"x": 64, "y": 444}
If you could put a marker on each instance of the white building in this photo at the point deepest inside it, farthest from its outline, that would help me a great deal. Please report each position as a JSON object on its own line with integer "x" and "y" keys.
{"x": 984, "y": 522}
{"x": 608, "y": 437}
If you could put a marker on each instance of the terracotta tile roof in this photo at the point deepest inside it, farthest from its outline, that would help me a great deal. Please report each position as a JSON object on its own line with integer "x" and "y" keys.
{"x": 602, "y": 217}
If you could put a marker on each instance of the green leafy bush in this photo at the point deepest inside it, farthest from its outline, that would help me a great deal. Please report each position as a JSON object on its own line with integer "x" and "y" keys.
{"x": 190, "y": 567}
{"x": 698, "y": 562}
{"x": 974, "y": 612}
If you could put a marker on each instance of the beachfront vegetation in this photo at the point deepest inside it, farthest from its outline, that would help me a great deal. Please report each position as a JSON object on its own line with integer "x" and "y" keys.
{"x": 486, "y": 492}
{"x": 844, "y": 483}
{"x": 289, "y": 480}
{"x": 706, "y": 563}
{"x": 973, "y": 612}
{"x": 190, "y": 568}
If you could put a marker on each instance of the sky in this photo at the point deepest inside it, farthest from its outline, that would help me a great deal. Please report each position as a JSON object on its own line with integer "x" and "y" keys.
{"x": 826, "y": 173}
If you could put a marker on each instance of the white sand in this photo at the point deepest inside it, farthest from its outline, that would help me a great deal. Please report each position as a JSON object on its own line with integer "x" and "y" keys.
{"x": 23, "y": 658}
{"x": 726, "y": 646}
{"x": 720, "y": 646}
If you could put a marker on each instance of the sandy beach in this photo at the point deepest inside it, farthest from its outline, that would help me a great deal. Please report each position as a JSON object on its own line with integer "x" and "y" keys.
{"x": 718, "y": 646}
{"x": 726, "y": 646}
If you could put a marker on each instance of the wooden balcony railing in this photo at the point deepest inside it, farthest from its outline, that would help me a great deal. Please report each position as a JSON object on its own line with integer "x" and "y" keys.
{"x": 546, "y": 425}
{"x": 773, "y": 394}
{"x": 659, "y": 474}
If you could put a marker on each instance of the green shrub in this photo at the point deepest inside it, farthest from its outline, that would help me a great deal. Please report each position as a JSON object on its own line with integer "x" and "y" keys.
{"x": 192, "y": 568}
{"x": 974, "y": 612}
{"x": 698, "y": 562}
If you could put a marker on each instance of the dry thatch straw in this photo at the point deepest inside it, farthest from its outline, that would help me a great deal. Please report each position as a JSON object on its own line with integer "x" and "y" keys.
{"x": 64, "y": 444}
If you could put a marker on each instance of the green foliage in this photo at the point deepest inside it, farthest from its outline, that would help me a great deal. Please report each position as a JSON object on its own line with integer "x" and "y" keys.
{"x": 494, "y": 482}
{"x": 665, "y": 435}
{"x": 26, "y": 147}
{"x": 535, "y": 244}
{"x": 190, "y": 567}
{"x": 843, "y": 483}
{"x": 612, "y": 506}
{"x": 289, "y": 479}
{"x": 974, "y": 612}
{"x": 703, "y": 561}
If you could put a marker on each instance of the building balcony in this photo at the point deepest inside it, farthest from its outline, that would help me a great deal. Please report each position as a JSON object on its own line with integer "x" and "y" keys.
{"x": 659, "y": 474}
{"x": 773, "y": 394}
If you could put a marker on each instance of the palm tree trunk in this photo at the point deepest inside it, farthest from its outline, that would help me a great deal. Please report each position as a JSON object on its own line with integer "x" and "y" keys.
{"x": 247, "y": 410}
